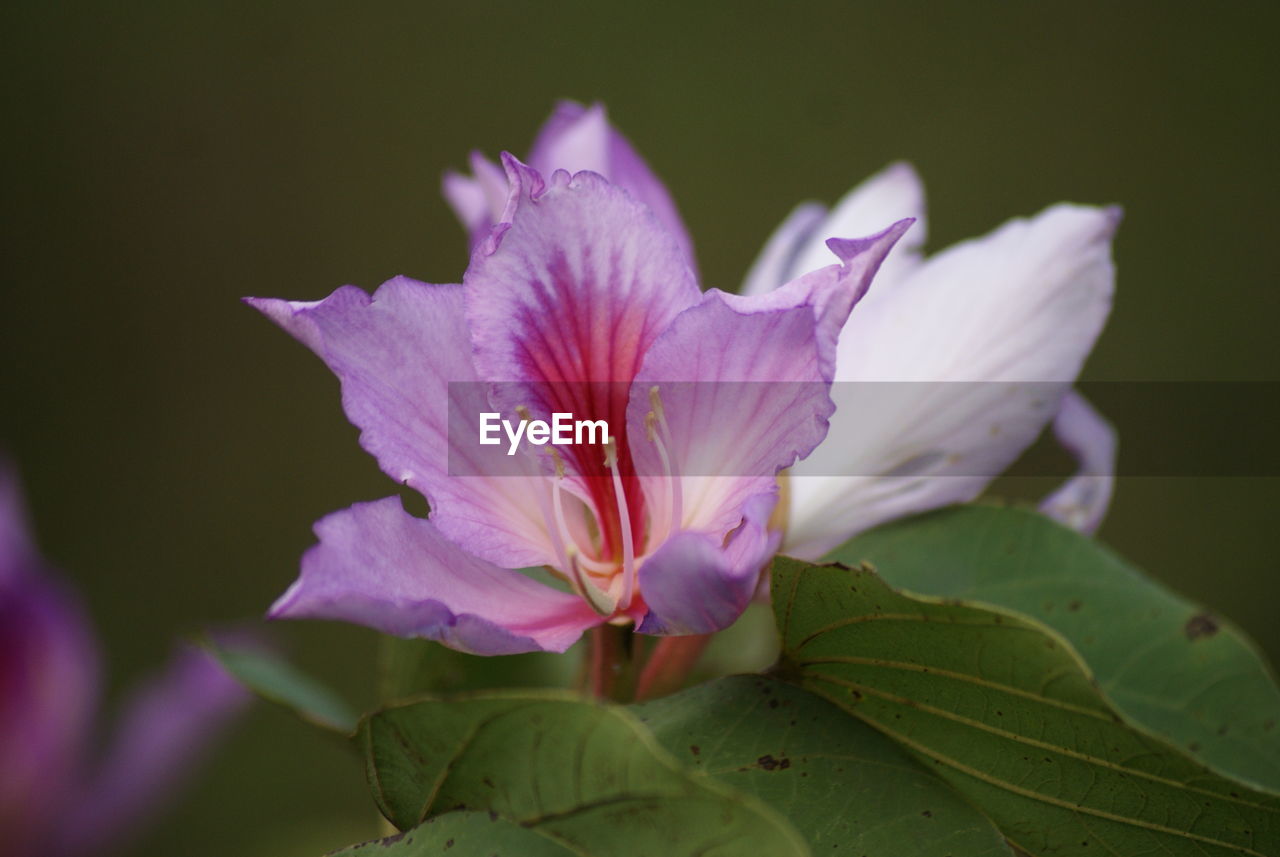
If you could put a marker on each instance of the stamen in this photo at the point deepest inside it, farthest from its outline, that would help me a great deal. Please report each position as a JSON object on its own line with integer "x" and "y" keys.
{"x": 658, "y": 415}
{"x": 551, "y": 520}
{"x": 628, "y": 548}
{"x": 562, "y": 527}
{"x": 599, "y": 600}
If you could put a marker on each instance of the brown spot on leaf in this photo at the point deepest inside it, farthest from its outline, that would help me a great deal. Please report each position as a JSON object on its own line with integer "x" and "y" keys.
{"x": 695, "y": 749}
{"x": 1201, "y": 625}
{"x": 769, "y": 763}
{"x": 1074, "y": 606}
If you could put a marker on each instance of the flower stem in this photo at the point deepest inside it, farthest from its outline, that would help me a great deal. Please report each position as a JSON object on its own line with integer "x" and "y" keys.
{"x": 609, "y": 662}
{"x": 669, "y": 665}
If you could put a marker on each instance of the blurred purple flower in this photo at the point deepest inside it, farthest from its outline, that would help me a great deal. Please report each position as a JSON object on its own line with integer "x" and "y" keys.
{"x": 580, "y": 297}
{"x": 57, "y": 797}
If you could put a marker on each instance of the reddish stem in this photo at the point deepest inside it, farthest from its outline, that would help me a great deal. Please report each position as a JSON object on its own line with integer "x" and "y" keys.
{"x": 609, "y": 659}
{"x": 669, "y": 665}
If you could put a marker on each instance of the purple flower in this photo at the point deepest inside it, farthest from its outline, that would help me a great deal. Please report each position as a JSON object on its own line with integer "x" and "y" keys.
{"x": 982, "y": 342}
{"x": 580, "y": 297}
{"x": 56, "y": 799}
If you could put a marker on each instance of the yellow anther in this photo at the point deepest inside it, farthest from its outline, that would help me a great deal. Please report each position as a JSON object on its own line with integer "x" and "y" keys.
{"x": 555, "y": 456}
{"x": 655, "y": 401}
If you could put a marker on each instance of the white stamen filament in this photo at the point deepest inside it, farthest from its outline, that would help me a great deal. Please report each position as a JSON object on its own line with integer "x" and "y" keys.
{"x": 624, "y": 515}
{"x": 673, "y": 477}
{"x": 548, "y": 521}
{"x": 562, "y": 528}
{"x": 569, "y": 551}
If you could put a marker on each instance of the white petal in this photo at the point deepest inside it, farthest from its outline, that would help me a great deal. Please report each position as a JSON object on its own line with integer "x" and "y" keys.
{"x": 982, "y": 340}
{"x": 773, "y": 266}
{"x": 1081, "y": 502}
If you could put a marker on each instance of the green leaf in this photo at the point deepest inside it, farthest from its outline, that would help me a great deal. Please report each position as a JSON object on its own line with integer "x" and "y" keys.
{"x": 276, "y": 680}
{"x": 1003, "y": 709}
{"x": 463, "y": 834}
{"x": 844, "y": 786}
{"x": 584, "y": 774}
{"x": 1165, "y": 663}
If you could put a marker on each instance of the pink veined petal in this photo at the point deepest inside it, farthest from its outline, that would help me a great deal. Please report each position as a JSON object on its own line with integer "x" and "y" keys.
{"x": 778, "y": 257}
{"x": 944, "y": 379}
{"x": 1081, "y": 502}
{"x": 564, "y": 299}
{"x": 743, "y": 387}
{"x": 164, "y": 729}
{"x": 396, "y": 354}
{"x": 578, "y": 138}
{"x": 697, "y": 584}
{"x": 376, "y": 565}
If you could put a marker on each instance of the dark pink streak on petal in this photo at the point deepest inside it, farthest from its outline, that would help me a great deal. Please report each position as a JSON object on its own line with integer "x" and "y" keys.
{"x": 565, "y": 302}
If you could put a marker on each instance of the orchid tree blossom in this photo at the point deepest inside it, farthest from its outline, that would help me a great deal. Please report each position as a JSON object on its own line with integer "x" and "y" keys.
{"x": 952, "y": 364}
{"x": 57, "y": 798}
{"x": 580, "y": 296}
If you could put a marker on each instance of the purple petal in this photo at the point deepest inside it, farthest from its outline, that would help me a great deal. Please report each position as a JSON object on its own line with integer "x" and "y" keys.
{"x": 478, "y": 200}
{"x": 578, "y": 138}
{"x": 980, "y": 343}
{"x": 1081, "y": 502}
{"x": 48, "y": 684}
{"x": 166, "y": 726}
{"x": 396, "y": 354}
{"x": 565, "y": 301}
{"x": 16, "y": 550}
{"x": 743, "y": 386}
{"x": 378, "y": 566}
{"x": 697, "y": 584}
{"x": 892, "y": 194}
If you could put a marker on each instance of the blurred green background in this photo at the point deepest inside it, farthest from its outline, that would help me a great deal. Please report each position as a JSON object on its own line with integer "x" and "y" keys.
{"x": 162, "y": 160}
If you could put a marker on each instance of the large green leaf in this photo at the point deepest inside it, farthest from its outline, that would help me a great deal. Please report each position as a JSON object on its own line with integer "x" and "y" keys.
{"x": 1164, "y": 662}
{"x": 585, "y": 774}
{"x": 463, "y": 834}
{"x": 845, "y": 787}
{"x": 1003, "y": 709}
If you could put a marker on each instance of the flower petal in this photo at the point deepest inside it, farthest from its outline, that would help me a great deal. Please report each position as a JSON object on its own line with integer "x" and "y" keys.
{"x": 697, "y": 584}
{"x": 777, "y": 259}
{"x": 981, "y": 342}
{"x": 894, "y": 193}
{"x": 48, "y": 683}
{"x": 376, "y": 565}
{"x": 578, "y": 138}
{"x": 404, "y": 359}
{"x": 479, "y": 199}
{"x": 743, "y": 387}
{"x": 1082, "y": 501}
{"x": 563, "y": 300}
{"x": 167, "y": 724}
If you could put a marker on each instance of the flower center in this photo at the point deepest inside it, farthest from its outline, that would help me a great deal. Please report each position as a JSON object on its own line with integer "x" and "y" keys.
{"x": 610, "y": 585}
